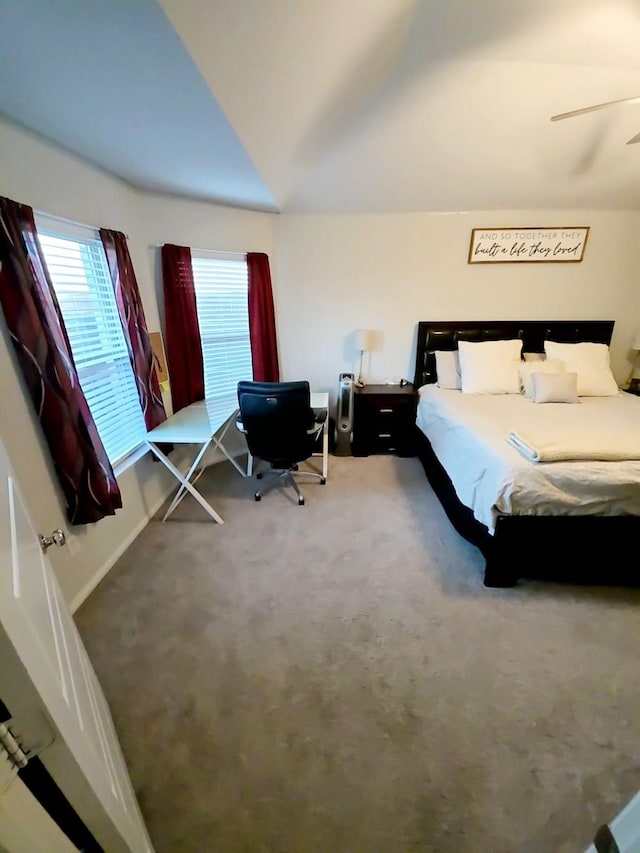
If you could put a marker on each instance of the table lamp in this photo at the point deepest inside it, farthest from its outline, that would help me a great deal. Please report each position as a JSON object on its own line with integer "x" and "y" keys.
{"x": 364, "y": 342}
{"x": 635, "y": 346}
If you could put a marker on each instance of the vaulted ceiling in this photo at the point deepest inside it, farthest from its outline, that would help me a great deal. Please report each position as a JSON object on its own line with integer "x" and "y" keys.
{"x": 337, "y": 107}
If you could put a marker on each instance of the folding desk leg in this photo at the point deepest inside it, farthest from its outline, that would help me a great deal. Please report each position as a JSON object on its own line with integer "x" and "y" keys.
{"x": 217, "y": 443}
{"x": 179, "y": 495}
{"x": 325, "y": 448}
{"x": 185, "y": 482}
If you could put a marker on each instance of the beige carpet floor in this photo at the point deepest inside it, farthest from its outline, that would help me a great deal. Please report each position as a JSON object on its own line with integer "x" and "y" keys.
{"x": 335, "y": 678}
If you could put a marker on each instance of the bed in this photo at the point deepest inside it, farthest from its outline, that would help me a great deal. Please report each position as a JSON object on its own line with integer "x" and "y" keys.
{"x": 566, "y": 520}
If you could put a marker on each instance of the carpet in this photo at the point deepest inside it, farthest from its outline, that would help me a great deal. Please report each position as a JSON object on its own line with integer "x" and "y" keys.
{"x": 335, "y": 677}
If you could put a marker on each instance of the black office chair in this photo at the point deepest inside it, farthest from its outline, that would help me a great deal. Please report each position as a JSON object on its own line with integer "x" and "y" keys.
{"x": 281, "y": 428}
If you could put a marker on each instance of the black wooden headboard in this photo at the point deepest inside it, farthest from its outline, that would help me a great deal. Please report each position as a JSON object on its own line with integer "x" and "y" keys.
{"x": 444, "y": 335}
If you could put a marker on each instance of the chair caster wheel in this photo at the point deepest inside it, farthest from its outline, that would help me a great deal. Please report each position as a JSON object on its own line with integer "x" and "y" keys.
{"x": 323, "y": 481}
{"x": 300, "y": 501}
{"x": 258, "y": 476}
{"x": 257, "y": 497}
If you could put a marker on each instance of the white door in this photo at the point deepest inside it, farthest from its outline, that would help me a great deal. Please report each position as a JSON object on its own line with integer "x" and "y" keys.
{"x": 24, "y": 824}
{"x": 50, "y": 688}
{"x": 624, "y": 830}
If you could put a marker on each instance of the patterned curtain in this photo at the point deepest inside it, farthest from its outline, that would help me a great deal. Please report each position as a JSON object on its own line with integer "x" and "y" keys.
{"x": 262, "y": 320}
{"x": 38, "y": 334}
{"x": 184, "y": 347}
{"x": 134, "y": 326}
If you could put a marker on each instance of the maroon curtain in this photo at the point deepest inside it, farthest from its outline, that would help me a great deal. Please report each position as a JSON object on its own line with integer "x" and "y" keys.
{"x": 38, "y": 334}
{"x": 184, "y": 348}
{"x": 134, "y": 326}
{"x": 262, "y": 320}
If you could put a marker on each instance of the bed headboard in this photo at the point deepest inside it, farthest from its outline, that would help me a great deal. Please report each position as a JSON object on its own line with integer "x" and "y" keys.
{"x": 444, "y": 335}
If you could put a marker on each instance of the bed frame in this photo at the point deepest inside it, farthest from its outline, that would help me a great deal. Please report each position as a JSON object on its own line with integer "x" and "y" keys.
{"x": 575, "y": 549}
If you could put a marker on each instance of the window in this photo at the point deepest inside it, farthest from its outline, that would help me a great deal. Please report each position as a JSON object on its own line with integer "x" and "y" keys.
{"x": 221, "y": 287}
{"x": 82, "y": 283}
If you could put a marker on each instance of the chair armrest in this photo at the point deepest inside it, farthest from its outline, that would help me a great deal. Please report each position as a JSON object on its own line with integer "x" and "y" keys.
{"x": 319, "y": 420}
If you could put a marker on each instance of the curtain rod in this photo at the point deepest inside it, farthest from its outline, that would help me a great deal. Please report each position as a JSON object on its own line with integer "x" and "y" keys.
{"x": 213, "y": 251}
{"x": 70, "y": 221}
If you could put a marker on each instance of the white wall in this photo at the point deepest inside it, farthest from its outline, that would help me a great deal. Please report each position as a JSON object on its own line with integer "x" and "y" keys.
{"x": 199, "y": 225}
{"x": 331, "y": 275}
{"x": 41, "y": 175}
{"x": 386, "y": 272}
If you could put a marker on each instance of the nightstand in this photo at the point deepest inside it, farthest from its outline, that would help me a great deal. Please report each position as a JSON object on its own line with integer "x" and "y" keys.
{"x": 384, "y": 418}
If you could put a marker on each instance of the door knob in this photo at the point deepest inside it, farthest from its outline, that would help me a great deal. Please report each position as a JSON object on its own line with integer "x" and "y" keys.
{"x": 57, "y": 537}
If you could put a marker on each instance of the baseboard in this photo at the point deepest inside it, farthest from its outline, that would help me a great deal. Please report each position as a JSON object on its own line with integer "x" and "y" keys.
{"x": 93, "y": 582}
{"x": 109, "y": 563}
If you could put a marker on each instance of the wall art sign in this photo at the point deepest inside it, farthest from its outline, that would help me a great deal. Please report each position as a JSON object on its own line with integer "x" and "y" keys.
{"x": 527, "y": 245}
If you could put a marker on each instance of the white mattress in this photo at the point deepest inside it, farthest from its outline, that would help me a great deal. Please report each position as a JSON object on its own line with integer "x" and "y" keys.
{"x": 468, "y": 435}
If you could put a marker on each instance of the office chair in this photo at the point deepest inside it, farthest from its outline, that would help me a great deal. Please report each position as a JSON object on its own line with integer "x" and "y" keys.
{"x": 281, "y": 428}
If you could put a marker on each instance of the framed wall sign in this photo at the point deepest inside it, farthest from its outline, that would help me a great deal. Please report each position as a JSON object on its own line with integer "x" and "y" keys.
{"x": 527, "y": 245}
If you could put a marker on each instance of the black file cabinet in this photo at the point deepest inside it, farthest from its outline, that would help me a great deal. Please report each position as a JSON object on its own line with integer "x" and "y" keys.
{"x": 384, "y": 418}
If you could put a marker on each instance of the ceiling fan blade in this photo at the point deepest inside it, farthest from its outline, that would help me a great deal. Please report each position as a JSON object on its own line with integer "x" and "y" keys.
{"x": 633, "y": 139}
{"x": 595, "y": 107}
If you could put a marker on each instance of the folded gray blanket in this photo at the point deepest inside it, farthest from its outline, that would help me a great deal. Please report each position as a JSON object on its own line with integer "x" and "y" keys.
{"x": 553, "y": 445}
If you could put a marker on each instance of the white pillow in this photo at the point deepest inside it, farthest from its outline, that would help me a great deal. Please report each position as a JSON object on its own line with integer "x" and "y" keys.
{"x": 555, "y": 387}
{"x": 528, "y": 368}
{"x": 448, "y": 369}
{"x": 490, "y": 367}
{"x": 591, "y": 362}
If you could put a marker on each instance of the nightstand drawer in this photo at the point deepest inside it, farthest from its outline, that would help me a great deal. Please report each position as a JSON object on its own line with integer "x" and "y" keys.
{"x": 388, "y": 407}
{"x": 387, "y": 442}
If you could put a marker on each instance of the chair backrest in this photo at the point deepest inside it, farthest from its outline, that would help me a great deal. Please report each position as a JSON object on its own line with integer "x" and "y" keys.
{"x": 276, "y": 417}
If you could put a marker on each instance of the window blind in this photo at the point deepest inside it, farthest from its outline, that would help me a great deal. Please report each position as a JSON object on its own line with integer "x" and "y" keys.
{"x": 221, "y": 287}
{"x": 82, "y": 283}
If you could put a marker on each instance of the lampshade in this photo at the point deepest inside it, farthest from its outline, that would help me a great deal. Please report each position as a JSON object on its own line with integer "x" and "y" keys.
{"x": 635, "y": 343}
{"x": 364, "y": 340}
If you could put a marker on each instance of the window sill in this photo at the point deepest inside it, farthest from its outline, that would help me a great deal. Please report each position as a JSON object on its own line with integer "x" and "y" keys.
{"x": 130, "y": 459}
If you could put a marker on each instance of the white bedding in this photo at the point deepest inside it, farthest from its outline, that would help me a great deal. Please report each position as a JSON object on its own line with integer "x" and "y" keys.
{"x": 468, "y": 433}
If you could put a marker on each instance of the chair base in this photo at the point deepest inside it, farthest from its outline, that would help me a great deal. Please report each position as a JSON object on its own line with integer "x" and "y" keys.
{"x": 286, "y": 478}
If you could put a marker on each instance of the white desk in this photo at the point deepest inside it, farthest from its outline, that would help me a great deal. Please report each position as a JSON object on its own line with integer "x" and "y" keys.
{"x": 206, "y": 423}
{"x": 320, "y": 400}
